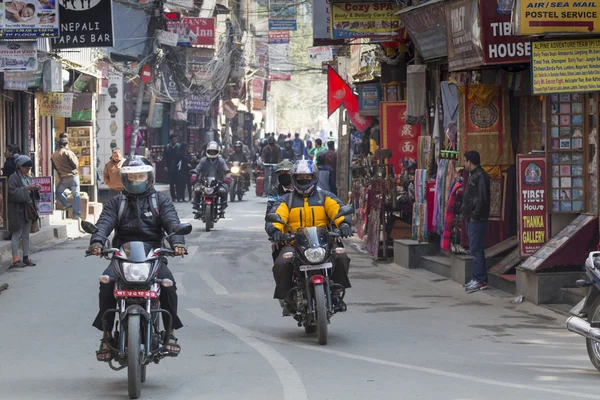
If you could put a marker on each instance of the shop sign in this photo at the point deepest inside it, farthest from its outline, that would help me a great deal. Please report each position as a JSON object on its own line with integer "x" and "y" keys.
{"x": 82, "y": 107}
{"x": 28, "y": 19}
{"x": 56, "y": 104}
{"x": 501, "y": 45}
{"x": 258, "y": 105}
{"x": 167, "y": 38}
{"x": 464, "y": 35}
{"x": 193, "y": 31}
{"x": 197, "y": 103}
{"x": 426, "y": 26}
{"x": 398, "y": 136}
{"x": 355, "y": 20}
{"x": 229, "y": 109}
{"x": 320, "y": 54}
{"x": 534, "y": 229}
{"x": 536, "y": 17}
{"x": 17, "y": 80}
{"x": 322, "y": 24}
{"x": 369, "y": 97}
{"x": 282, "y": 15}
{"x": 45, "y": 205}
{"x": 565, "y": 66}
{"x": 18, "y": 56}
{"x": 85, "y": 24}
{"x": 277, "y": 37}
{"x": 258, "y": 88}
{"x": 110, "y": 124}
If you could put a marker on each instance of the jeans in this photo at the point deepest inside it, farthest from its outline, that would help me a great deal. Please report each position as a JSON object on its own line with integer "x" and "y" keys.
{"x": 71, "y": 182}
{"x": 476, "y": 231}
{"x": 23, "y": 233}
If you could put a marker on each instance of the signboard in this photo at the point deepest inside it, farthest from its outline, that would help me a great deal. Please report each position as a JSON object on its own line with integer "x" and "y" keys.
{"x": 193, "y": 31}
{"x": 258, "y": 88}
{"x": 56, "y": 104}
{"x": 85, "y": 24}
{"x": 398, "y": 136}
{"x": 167, "y": 38}
{"x": 427, "y": 28}
{"x": 275, "y": 37}
{"x": 18, "y": 56}
{"x": 369, "y": 97}
{"x": 282, "y": 15}
{"x": 534, "y": 224}
{"x": 279, "y": 62}
{"x": 45, "y": 205}
{"x": 28, "y": 19}
{"x": 110, "y": 124}
{"x": 368, "y": 20}
{"x": 536, "y": 17}
{"x": 501, "y": 45}
{"x": 197, "y": 104}
{"x": 320, "y": 54}
{"x": 464, "y": 35}
{"x": 565, "y": 66}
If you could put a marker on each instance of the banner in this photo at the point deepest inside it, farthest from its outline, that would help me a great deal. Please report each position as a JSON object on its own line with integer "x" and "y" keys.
{"x": 398, "y": 136}
{"x": 368, "y": 20}
{"x": 320, "y": 54}
{"x": 56, "y": 104}
{"x": 279, "y": 62}
{"x": 18, "y": 56}
{"x": 276, "y": 37}
{"x": 28, "y": 19}
{"x": 197, "y": 104}
{"x": 85, "y": 24}
{"x": 338, "y": 94}
{"x": 537, "y": 17}
{"x": 258, "y": 88}
{"x": 534, "y": 224}
{"x": 45, "y": 205}
{"x": 369, "y": 97}
{"x": 193, "y": 31}
{"x": 282, "y": 15}
{"x": 464, "y": 35}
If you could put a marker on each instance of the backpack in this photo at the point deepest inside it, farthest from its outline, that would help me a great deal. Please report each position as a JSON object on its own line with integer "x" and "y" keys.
{"x": 153, "y": 206}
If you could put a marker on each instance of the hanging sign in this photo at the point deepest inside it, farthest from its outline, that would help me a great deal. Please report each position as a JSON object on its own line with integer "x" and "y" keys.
{"x": 398, "y": 136}
{"x": 275, "y": 37}
{"x": 320, "y": 54}
{"x": 56, "y": 104}
{"x": 354, "y": 20}
{"x": 18, "y": 56}
{"x": 198, "y": 103}
{"x": 534, "y": 229}
{"x": 28, "y": 19}
{"x": 85, "y": 24}
{"x": 193, "y": 31}
{"x": 536, "y": 17}
{"x": 282, "y": 15}
{"x": 45, "y": 205}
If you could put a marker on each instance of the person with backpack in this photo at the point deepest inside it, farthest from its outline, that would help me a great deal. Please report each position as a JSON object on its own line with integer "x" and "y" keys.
{"x": 140, "y": 214}
{"x": 298, "y": 146}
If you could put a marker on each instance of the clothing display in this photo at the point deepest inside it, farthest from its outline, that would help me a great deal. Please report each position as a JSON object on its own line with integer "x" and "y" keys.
{"x": 424, "y": 156}
{"x": 419, "y": 220}
{"x": 445, "y": 176}
{"x": 450, "y": 218}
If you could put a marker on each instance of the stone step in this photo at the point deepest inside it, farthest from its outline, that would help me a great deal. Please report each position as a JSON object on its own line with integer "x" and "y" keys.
{"x": 437, "y": 264}
{"x": 559, "y": 308}
{"x": 573, "y": 295}
{"x": 506, "y": 283}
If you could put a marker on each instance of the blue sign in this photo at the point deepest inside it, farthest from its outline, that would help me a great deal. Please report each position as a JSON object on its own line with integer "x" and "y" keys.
{"x": 197, "y": 104}
{"x": 282, "y": 25}
{"x": 369, "y": 97}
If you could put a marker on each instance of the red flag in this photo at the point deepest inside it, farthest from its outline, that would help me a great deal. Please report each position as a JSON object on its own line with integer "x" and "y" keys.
{"x": 337, "y": 90}
{"x": 360, "y": 122}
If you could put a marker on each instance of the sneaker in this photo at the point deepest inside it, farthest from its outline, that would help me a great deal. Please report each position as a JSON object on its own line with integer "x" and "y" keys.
{"x": 18, "y": 264}
{"x": 469, "y": 284}
{"x": 286, "y": 312}
{"x": 476, "y": 286}
{"x": 28, "y": 262}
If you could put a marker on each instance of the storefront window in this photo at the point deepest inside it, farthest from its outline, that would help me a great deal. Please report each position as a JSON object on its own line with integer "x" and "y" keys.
{"x": 593, "y": 152}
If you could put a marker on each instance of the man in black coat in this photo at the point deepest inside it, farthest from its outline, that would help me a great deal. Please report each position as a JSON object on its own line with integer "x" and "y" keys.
{"x": 172, "y": 158}
{"x": 12, "y": 151}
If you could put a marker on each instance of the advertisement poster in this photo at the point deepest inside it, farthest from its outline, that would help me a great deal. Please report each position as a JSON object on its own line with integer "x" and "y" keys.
{"x": 565, "y": 66}
{"x": 81, "y": 142}
{"x": 282, "y": 15}
{"x": 320, "y": 54}
{"x": 534, "y": 229}
{"x": 277, "y": 37}
{"x": 56, "y": 104}
{"x": 355, "y": 20}
{"x": 197, "y": 104}
{"x": 398, "y": 136}
{"x": 427, "y": 28}
{"x": 46, "y": 202}
{"x": 279, "y": 62}
{"x": 369, "y": 97}
{"x": 85, "y": 24}
{"x": 193, "y": 31}
{"x": 464, "y": 34}
{"x": 110, "y": 125}
{"x": 28, "y": 19}
{"x": 3, "y": 204}
{"x": 536, "y": 17}
{"x": 18, "y": 56}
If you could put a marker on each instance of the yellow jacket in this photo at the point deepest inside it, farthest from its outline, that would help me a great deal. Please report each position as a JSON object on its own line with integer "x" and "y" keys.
{"x": 318, "y": 209}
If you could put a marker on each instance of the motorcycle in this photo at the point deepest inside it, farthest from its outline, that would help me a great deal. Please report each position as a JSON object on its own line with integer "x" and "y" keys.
{"x": 138, "y": 340}
{"x": 311, "y": 295}
{"x": 207, "y": 209}
{"x": 238, "y": 186}
{"x": 586, "y": 315}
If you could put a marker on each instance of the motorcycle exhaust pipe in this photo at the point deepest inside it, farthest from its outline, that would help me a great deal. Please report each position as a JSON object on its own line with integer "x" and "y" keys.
{"x": 583, "y": 328}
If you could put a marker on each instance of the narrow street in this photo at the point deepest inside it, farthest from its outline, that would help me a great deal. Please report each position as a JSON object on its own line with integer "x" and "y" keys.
{"x": 406, "y": 335}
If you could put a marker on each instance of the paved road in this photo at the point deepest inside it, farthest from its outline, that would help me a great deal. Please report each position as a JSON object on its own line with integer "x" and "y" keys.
{"x": 407, "y": 334}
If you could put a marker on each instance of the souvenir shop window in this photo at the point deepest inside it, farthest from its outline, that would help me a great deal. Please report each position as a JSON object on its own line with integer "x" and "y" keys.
{"x": 592, "y": 145}
{"x": 567, "y": 134}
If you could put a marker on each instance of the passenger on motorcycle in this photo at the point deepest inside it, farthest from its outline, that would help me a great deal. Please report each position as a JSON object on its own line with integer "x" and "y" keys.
{"x": 139, "y": 213}
{"x": 240, "y": 156}
{"x": 307, "y": 206}
{"x": 214, "y": 166}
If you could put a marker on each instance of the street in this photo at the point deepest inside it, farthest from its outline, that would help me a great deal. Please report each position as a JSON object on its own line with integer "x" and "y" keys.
{"x": 406, "y": 335}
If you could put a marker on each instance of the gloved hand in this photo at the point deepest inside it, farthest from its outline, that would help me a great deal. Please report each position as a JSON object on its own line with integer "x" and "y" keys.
{"x": 193, "y": 179}
{"x": 95, "y": 249}
{"x": 277, "y": 237}
{"x": 227, "y": 181}
{"x": 346, "y": 230}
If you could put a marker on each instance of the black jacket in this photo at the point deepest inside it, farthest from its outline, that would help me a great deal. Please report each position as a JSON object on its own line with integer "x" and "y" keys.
{"x": 239, "y": 157}
{"x": 9, "y": 166}
{"x": 138, "y": 222}
{"x": 476, "y": 200}
{"x": 288, "y": 154}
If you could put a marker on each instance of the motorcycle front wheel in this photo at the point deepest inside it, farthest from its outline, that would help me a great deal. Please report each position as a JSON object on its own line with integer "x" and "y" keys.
{"x": 232, "y": 191}
{"x": 134, "y": 357}
{"x": 593, "y": 347}
{"x": 208, "y": 216}
{"x": 321, "y": 314}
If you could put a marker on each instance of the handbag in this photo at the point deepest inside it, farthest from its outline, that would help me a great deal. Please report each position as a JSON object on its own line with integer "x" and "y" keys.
{"x": 31, "y": 212}
{"x": 35, "y": 227}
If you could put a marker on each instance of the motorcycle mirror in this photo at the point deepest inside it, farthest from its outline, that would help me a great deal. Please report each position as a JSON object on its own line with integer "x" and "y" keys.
{"x": 183, "y": 229}
{"x": 88, "y": 227}
{"x": 344, "y": 211}
{"x": 274, "y": 218}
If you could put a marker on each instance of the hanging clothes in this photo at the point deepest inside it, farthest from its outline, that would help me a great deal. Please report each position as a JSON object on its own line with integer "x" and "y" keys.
{"x": 449, "y": 217}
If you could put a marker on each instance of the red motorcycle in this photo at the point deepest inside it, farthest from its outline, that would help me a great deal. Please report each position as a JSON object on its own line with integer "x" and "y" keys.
{"x": 206, "y": 203}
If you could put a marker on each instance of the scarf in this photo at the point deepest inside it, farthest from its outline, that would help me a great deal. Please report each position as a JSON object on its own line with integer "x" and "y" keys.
{"x": 449, "y": 218}
{"x": 26, "y": 181}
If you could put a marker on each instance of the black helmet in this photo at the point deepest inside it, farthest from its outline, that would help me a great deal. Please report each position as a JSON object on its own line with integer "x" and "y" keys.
{"x": 137, "y": 175}
{"x": 263, "y": 142}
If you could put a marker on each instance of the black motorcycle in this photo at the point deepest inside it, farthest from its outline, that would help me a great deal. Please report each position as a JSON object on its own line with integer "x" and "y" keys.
{"x": 138, "y": 339}
{"x": 208, "y": 206}
{"x": 311, "y": 296}
{"x": 239, "y": 184}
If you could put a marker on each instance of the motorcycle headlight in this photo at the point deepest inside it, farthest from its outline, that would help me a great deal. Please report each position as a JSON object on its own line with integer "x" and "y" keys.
{"x": 209, "y": 190}
{"x": 235, "y": 170}
{"x": 136, "y": 272}
{"x": 315, "y": 254}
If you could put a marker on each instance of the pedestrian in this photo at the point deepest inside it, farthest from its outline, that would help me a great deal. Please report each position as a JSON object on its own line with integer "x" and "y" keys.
{"x": 193, "y": 163}
{"x": 11, "y": 153}
{"x": 326, "y": 175}
{"x": 287, "y": 152}
{"x": 307, "y": 149}
{"x": 171, "y": 158}
{"x": 65, "y": 163}
{"x": 183, "y": 172}
{"x": 330, "y": 156}
{"x": 317, "y": 149}
{"x": 21, "y": 197}
{"x": 271, "y": 153}
{"x": 112, "y": 173}
{"x": 476, "y": 211}
{"x": 298, "y": 146}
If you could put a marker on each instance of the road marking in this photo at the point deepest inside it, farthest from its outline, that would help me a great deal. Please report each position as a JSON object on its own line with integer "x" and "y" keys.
{"x": 432, "y": 371}
{"x": 181, "y": 290}
{"x": 293, "y": 388}
{"x": 210, "y": 281}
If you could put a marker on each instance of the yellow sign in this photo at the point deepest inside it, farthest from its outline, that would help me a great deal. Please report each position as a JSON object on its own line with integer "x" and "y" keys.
{"x": 355, "y": 20}
{"x": 55, "y": 104}
{"x": 546, "y": 16}
{"x": 566, "y": 66}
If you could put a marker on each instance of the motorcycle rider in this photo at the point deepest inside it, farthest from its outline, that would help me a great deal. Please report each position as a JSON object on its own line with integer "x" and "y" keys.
{"x": 213, "y": 165}
{"x": 307, "y": 206}
{"x": 240, "y": 156}
{"x": 287, "y": 152}
{"x": 139, "y": 213}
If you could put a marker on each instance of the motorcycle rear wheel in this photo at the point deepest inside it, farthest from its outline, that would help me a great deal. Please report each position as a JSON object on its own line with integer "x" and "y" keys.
{"x": 208, "y": 215}
{"x": 321, "y": 314}
{"x": 593, "y": 347}
{"x": 134, "y": 357}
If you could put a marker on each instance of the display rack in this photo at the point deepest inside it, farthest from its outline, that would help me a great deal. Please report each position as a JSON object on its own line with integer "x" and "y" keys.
{"x": 80, "y": 142}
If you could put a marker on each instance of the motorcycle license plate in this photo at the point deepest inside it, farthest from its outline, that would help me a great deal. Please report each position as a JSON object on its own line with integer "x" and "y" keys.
{"x": 313, "y": 267}
{"x": 142, "y": 294}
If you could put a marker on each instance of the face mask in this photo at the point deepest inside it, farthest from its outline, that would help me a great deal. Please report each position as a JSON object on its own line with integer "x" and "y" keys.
{"x": 139, "y": 187}
{"x": 284, "y": 179}
{"x": 304, "y": 182}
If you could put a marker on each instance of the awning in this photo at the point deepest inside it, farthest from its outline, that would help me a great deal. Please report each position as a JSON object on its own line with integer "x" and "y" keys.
{"x": 426, "y": 25}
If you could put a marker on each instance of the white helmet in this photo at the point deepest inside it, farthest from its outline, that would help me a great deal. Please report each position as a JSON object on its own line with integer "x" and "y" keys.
{"x": 212, "y": 150}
